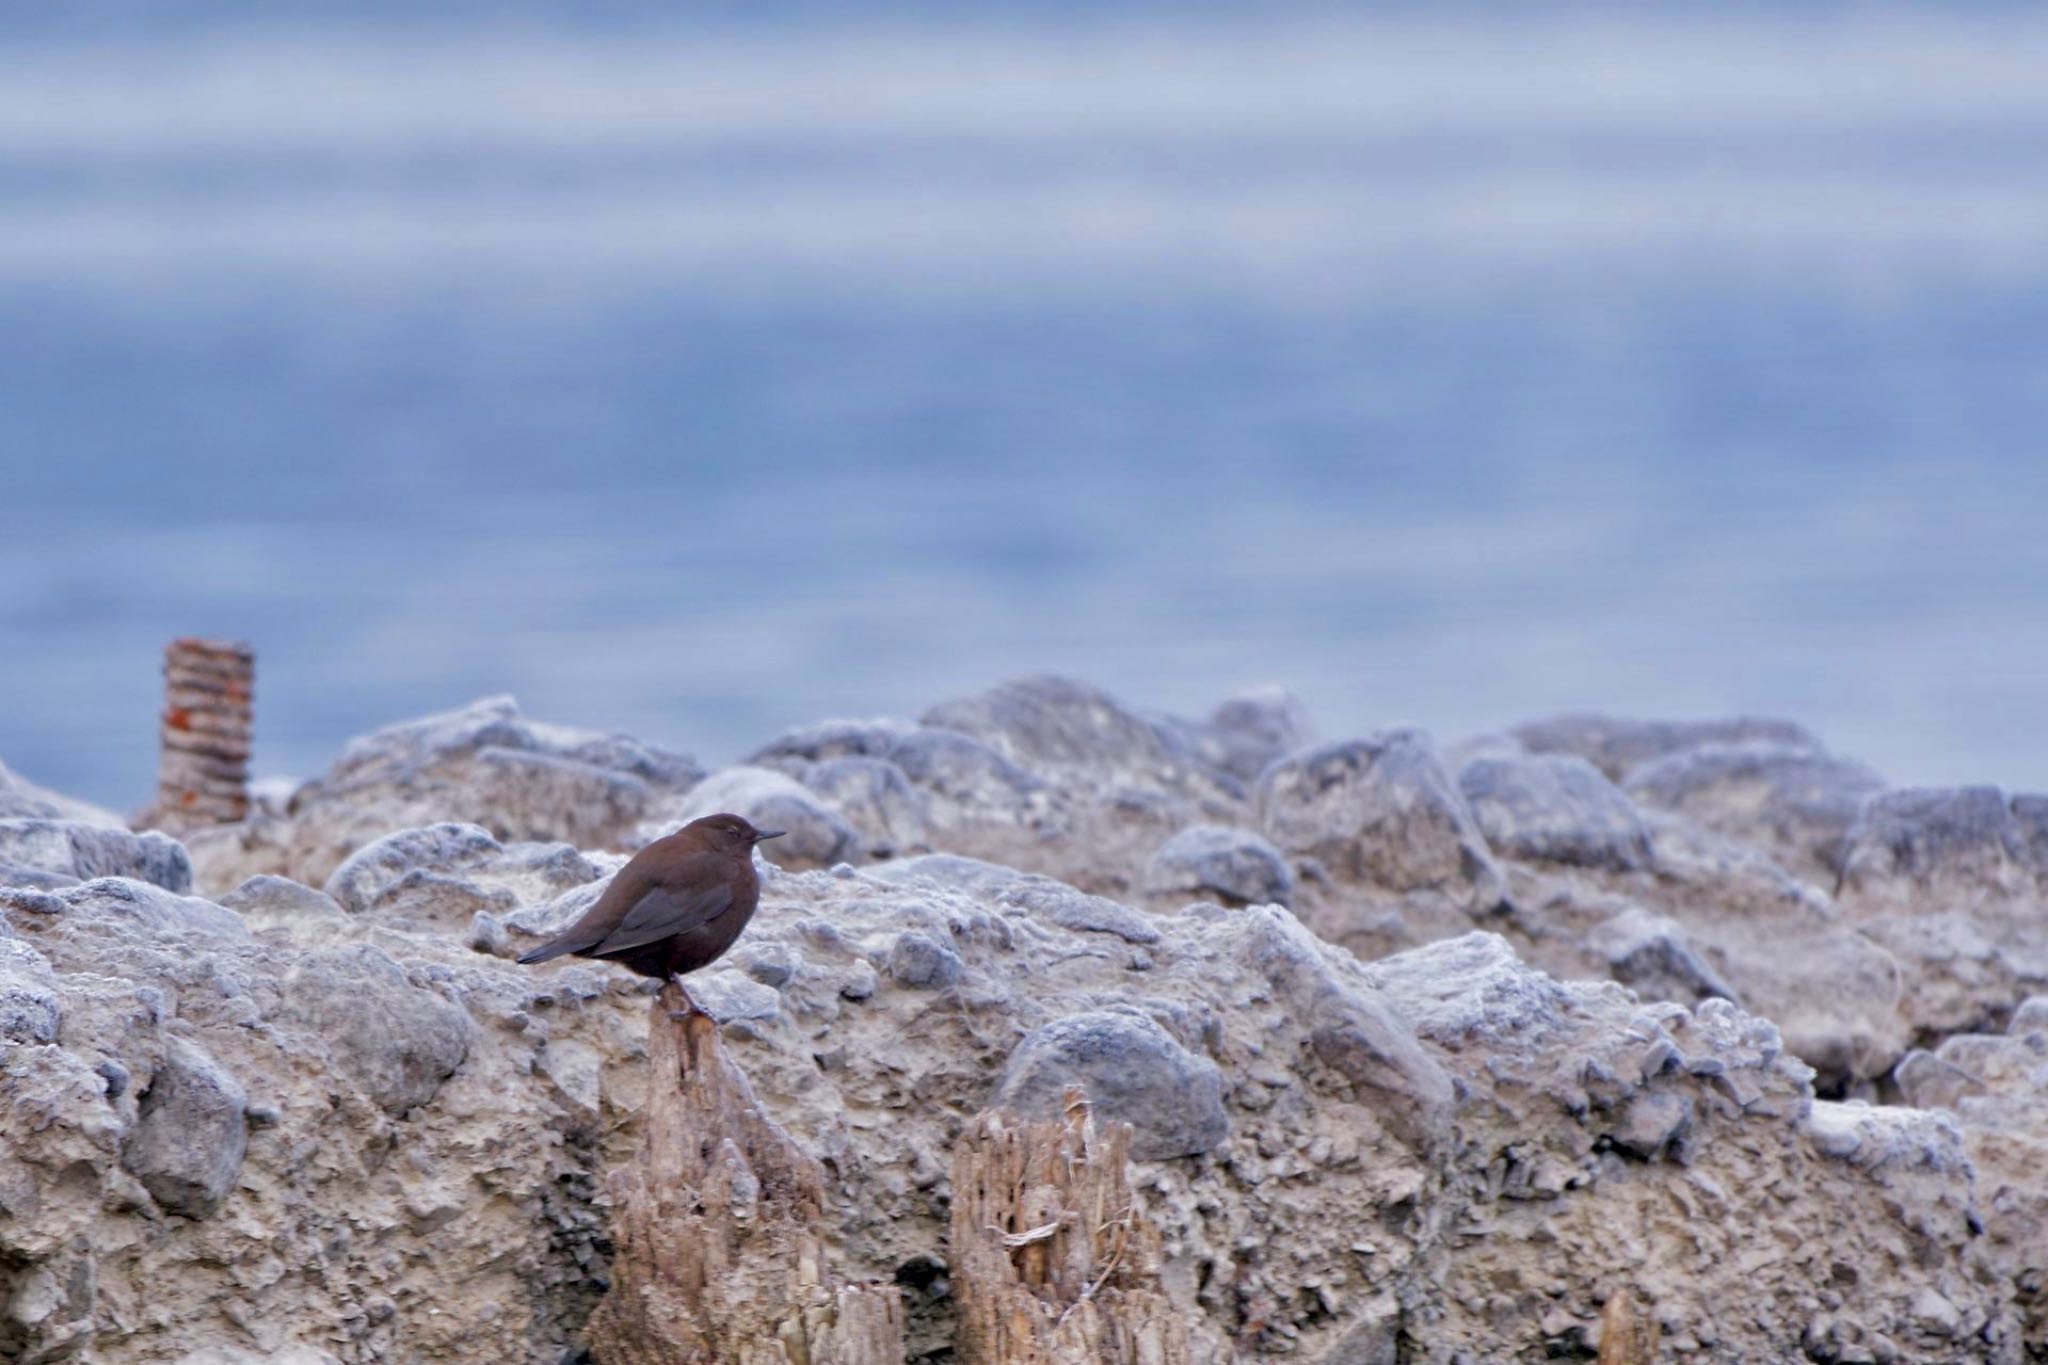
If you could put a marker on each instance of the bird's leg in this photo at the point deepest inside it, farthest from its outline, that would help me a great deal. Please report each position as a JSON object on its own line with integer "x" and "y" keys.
{"x": 690, "y": 1005}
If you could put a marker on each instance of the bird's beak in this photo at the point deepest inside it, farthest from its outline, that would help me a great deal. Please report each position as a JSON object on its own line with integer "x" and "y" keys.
{"x": 759, "y": 835}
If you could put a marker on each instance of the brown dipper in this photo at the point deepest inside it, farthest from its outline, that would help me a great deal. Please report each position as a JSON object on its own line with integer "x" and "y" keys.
{"x": 677, "y": 905}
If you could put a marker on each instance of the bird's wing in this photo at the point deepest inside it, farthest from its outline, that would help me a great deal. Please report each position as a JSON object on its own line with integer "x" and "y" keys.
{"x": 589, "y": 928}
{"x": 664, "y": 911}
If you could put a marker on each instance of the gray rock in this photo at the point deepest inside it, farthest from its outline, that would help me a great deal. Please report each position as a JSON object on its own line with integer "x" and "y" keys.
{"x": 1469, "y": 1120}
{"x": 1132, "y": 1071}
{"x": 397, "y": 752}
{"x": 1358, "y": 1038}
{"x": 477, "y": 888}
{"x": 814, "y": 835}
{"x": 224, "y": 856}
{"x": 375, "y": 869}
{"x": 1060, "y": 904}
{"x": 1876, "y": 1136}
{"x": 235, "y": 1355}
{"x": 487, "y": 934}
{"x": 771, "y": 964}
{"x": 1467, "y": 992}
{"x": 487, "y": 765}
{"x": 1965, "y": 970}
{"x": 512, "y": 887}
{"x": 1835, "y": 993}
{"x": 397, "y": 1041}
{"x": 1554, "y": 808}
{"x": 1356, "y": 1030}
{"x": 1617, "y": 747}
{"x": 1994, "y": 1089}
{"x": 33, "y": 878}
{"x": 400, "y": 752}
{"x": 971, "y": 777}
{"x": 730, "y": 996}
{"x": 550, "y": 917}
{"x": 265, "y": 901}
{"x": 1381, "y": 810}
{"x": 1651, "y": 953}
{"x": 29, "y": 1009}
{"x": 919, "y": 962}
{"x": 576, "y": 1072}
{"x": 1928, "y": 1081}
{"x": 1652, "y": 1122}
{"x": 859, "y": 982}
{"x": 1249, "y": 731}
{"x": 152, "y": 908}
{"x": 1118, "y": 813}
{"x": 1796, "y": 802}
{"x": 1271, "y": 715}
{"x": 1233, "y": 865}
{"x": 524, "y": 794}
{"x": 189, "y": 1140}
{"x": 832, "y": 739}
{"x": 1051, "y": 724}
{"x": 29, "y": 900}
{"x": 1937, "y": 849}
{"x": 660, "y": 769}
{"x": 2030, "y": 813}
{"x": 876, "y": 799}
{"x": 2030, "y": 1018}
{"x": 1371, "y": 1336}
{"x": 424, "y": 896}
{"x": 949, "y": 870}
{"x": 71, "y": 848}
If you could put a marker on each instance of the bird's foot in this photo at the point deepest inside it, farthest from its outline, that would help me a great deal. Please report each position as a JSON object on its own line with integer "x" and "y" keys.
{"x": 690, "y": 1005}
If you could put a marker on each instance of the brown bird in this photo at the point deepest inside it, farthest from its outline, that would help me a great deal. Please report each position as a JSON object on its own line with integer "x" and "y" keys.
{"x": 677, "y": 905}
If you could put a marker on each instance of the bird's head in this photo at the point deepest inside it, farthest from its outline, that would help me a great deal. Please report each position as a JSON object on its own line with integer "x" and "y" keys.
{"x": 732, "y": 832}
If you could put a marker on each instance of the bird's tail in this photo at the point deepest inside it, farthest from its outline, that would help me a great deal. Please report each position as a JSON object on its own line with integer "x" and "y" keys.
{"x": 546, "y": 951}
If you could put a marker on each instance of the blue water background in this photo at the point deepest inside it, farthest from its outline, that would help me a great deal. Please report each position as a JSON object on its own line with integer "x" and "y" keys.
{"x": 699, "y": 379}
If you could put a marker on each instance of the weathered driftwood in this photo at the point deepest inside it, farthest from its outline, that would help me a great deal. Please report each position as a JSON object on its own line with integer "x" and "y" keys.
{"x": 1628, "y": 1331}
{"x": 1054, "y": 1263}
{"x": 203, "y": 764}
{"x": 718, "y": 1229}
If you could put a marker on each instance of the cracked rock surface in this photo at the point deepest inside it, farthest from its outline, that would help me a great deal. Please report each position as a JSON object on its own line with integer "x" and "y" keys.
{"x": 1688, "y": 1009}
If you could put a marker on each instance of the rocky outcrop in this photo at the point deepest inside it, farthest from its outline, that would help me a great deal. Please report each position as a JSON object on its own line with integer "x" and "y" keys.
{"x": 190, "y": 1132}
{"x": 1132, "y": 1069}
{"x": 1528, "y": 1044}
{"x": 1794, "y": 802}
{"x": 1054, "y": 726}
{"x": 275, "y": 1145}
{"x": 1997, "y": 1087}
{"x": 1551, "y": 808}
{"x": 1434, "y": 1119}
{"x": 1775, "y": 872}
{"x": 1215, "y": 862}
{"x": 1384, "y": 811}
{"x": 1618, "y": 746}
{"x": 485, "y": 764}
{"x": 1959, "y": 849}
{"x": 55, "y": 853}
{"x": 813, "y": 832}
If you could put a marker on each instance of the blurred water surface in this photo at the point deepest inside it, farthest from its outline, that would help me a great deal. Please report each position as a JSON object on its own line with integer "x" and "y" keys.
{"x": 699, "y": 380}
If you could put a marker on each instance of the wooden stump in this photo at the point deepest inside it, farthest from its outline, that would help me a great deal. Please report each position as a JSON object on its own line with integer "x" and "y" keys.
{"x": 203, "y": 762}
{"x": 718, "y": 1229}
{"x": 1628, "y": 1333}
{"x": 1054, "y": 1263}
